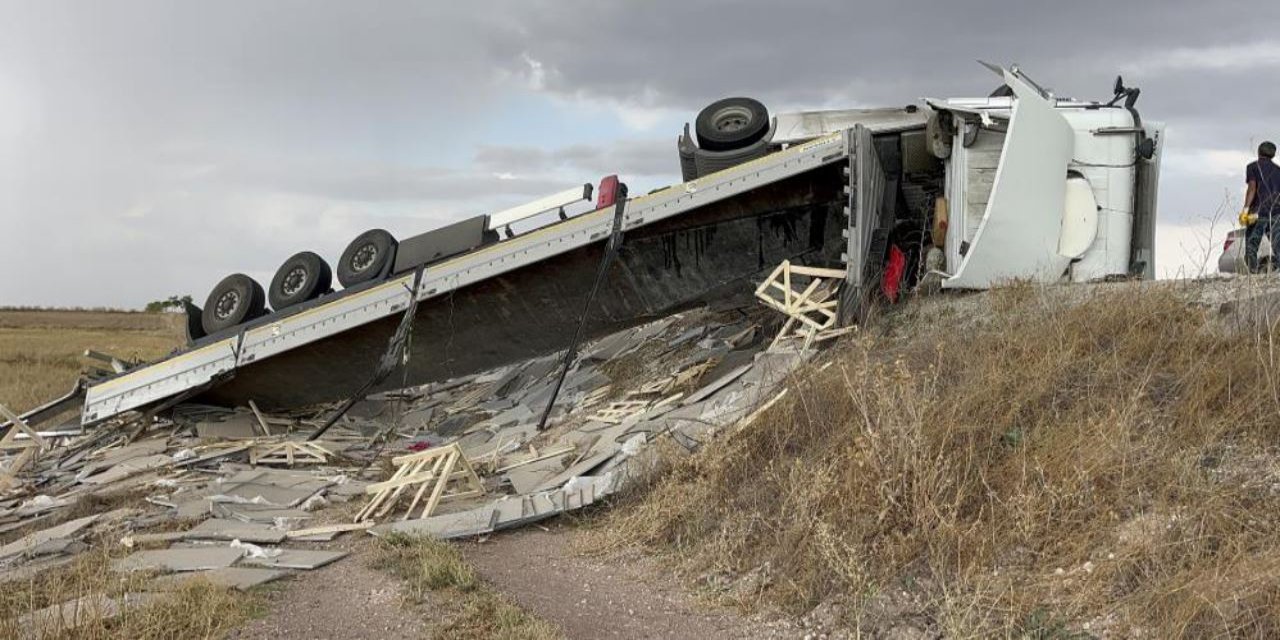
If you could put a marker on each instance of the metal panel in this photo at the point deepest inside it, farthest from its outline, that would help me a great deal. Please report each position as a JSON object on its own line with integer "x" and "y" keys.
{"x": 1019, "y": 233}
{"x": 161, "y": 380}
{"x": 445, "y": 242}
{"x": 866, "y": 197}
{"x": 324, "y": 321}
{"x": 1143, "y": 254}
{"x": 190, "y": 370}
{"x": 542, "y": 205}
{"x": 806, "y": 125}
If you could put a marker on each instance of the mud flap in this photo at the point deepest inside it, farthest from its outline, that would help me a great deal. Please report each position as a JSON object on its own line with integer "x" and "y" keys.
{"x": 1020, "y": 232}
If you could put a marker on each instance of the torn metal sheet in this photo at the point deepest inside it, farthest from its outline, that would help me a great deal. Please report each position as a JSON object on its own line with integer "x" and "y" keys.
{"x": 508, "y": 512}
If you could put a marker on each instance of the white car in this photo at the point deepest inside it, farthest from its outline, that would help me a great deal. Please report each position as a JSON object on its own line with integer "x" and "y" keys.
{"x": 1232, "y": 258}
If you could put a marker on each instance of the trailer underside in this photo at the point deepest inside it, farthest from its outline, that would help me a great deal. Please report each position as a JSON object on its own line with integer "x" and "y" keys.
{"x": 705, "y": 256}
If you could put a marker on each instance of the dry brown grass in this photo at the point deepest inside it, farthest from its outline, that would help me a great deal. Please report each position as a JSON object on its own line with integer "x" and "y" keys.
{"x": 195, "y": 610}
{"x": 40, "y": 351}
{"x": 1109, "y": 462}
{"x": 475, "y": 612}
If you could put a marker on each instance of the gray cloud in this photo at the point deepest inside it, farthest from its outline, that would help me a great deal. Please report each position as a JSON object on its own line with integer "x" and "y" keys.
{"x": 635, "y": 157}
{"x": 148, "y": 147}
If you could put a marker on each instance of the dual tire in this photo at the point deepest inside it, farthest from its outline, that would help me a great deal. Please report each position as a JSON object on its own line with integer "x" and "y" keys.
{"x": 304, "y": 276}
{"x": 730, "y": 124}
{"x": 236, "y": 299}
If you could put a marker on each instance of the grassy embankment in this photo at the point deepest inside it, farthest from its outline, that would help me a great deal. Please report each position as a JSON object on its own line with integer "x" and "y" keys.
{"x": 1107, "y": 467}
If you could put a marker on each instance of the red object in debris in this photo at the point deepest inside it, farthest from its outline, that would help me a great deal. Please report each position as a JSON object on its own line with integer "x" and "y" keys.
{"x": 421, "y": 445}
{"x": 607, "y": 194}
{"x": 894, "y": 267}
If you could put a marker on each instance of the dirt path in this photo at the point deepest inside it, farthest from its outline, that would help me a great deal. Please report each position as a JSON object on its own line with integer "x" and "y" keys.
{"x": 345, "y": 600}
{"x": 537, "y": 569}
{"x": 590, "y": 598}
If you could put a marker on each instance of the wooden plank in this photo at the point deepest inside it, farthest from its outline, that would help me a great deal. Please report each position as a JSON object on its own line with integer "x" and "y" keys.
{"x": 10, "y": 440}
{"x": 423, "y": 489}
{"x": 422, "y": 476}
{"x": 552, "y": 454}
{"x": 818, "y": 272}
{"x": 9, "y": 477}
{"x": 414, "y": 467}
{"x": 424, "y": 455}
{"x": 266, "y": 430}
{"x": 381, "y": 495}
{"x": 439, "y": 490}
{"x": 331, "y": 528}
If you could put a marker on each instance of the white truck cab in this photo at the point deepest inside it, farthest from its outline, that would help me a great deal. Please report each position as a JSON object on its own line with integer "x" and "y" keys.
{"x": 1047, "y": 189}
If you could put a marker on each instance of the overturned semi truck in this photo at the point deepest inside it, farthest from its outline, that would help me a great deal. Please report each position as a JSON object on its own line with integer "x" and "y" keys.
{"x": 970, "y": 193}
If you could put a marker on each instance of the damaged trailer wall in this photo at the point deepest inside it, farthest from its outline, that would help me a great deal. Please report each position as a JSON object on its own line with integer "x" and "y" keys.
{"x": 706, "y": 255}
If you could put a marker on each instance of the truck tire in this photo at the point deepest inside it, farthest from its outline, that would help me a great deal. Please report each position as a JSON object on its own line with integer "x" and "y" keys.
{"x": 731, "y": 123}
{"x": 238, "y": 298}
{"x": 304, "y": 276}
{"x": 708, "y": 162}
{"x": 367, "y": 257}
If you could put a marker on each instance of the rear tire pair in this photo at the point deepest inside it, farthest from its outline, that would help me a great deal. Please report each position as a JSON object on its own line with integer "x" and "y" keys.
{"x": 304, "y": 276}
{"x": 239, "y": 298}
{"x": 236, "y": 299}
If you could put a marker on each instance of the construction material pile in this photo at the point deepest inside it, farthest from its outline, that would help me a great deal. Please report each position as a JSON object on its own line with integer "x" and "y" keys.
{"x": 242, "y": 497}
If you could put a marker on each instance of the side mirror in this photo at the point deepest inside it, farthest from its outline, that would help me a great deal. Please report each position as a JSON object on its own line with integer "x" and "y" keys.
{"x": 1147, "y": 148}
{"x": 1119, "y": 85}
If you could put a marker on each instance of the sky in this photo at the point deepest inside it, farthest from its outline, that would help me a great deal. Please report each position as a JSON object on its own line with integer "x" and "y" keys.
{"x": 149, "y": 148}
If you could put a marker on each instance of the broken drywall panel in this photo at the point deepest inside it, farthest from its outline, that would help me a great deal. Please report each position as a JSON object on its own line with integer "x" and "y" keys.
{"x": 269, "y": 486}
{"x": 60, "y": 619}
{"x": 476, "y": 521}
{"x": 720, "y": 383}
{"x": 260, "y": 514}
{"x": 34, "y": 540}
{"x": 178, "y": 559}
{"x": 584, "y": 467}
{"x": 296, "y": 559}
{"x": 240, "y": 578}
{"x": 228, "y": 530}
{"x": 30, "y": 570}
{"x": 127, "y": 468}
{"x": 239, "y": 426}
{"x": 527, "y": 478}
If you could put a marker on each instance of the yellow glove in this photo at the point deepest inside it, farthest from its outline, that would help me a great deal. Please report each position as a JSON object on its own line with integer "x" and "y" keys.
{"x": 1247, "y": 218}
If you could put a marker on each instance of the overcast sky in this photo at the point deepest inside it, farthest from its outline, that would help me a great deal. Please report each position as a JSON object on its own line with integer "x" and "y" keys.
{"x": 148, "y": 148}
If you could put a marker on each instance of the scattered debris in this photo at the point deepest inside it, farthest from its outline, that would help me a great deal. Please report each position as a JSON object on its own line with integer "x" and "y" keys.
{"x": 288, "y": 452}
{"x": 212, "y": 493}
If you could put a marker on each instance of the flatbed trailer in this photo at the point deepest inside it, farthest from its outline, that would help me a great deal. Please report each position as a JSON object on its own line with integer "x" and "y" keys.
{"x": 829, "y": 198}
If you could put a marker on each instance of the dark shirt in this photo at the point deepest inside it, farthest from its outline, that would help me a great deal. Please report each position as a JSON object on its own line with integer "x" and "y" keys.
{"x": 1266, "y": 175}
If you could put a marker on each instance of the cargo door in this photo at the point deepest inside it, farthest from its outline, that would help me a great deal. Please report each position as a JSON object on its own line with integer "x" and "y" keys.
{"x": 1020, "y": 231}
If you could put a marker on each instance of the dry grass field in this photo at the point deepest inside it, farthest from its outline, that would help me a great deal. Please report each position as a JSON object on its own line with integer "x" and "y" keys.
{"x": 41, "y": 351}
{"x": 1107, "y": 469}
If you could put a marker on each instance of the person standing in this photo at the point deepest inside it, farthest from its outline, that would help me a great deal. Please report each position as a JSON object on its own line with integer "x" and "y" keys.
{"x": 1261, "y": 204}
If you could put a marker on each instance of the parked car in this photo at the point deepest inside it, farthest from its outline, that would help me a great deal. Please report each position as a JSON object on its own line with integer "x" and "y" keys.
{"x": 1232, "y": 258}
